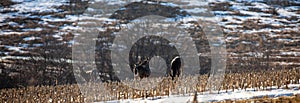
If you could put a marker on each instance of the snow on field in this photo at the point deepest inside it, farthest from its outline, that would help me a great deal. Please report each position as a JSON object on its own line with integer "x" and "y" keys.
{"x": 221, "y": 96}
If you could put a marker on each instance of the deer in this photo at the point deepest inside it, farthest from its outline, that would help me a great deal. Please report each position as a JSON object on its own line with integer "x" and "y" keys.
{"x": 142, "y": 69}
{"x": 175, "y": 67}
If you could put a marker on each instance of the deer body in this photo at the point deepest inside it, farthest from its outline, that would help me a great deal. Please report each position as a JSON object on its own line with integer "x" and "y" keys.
{"x": 175, "y": 67}
{"x": 142, "y": 70}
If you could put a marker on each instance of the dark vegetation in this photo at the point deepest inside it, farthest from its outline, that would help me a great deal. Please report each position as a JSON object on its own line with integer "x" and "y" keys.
{"x": 6, "y": 3}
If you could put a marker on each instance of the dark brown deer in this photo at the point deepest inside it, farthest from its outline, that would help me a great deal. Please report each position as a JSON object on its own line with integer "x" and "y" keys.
{"x": 142, "y": 69}
{"x": 175, "y": 67}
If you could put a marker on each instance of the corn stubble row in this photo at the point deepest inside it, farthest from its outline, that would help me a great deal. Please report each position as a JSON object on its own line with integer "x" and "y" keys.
{"x": 184, "y": 85}
{"x": 42, "y": 94}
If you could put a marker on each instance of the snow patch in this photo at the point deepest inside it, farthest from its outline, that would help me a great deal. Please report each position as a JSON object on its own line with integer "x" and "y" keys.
{"x": 31, "y": 38}
{"x": 213, "y": 97}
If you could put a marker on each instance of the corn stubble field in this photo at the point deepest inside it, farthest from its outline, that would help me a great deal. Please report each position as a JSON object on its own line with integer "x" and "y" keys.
{"x": 184, "y": 85}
